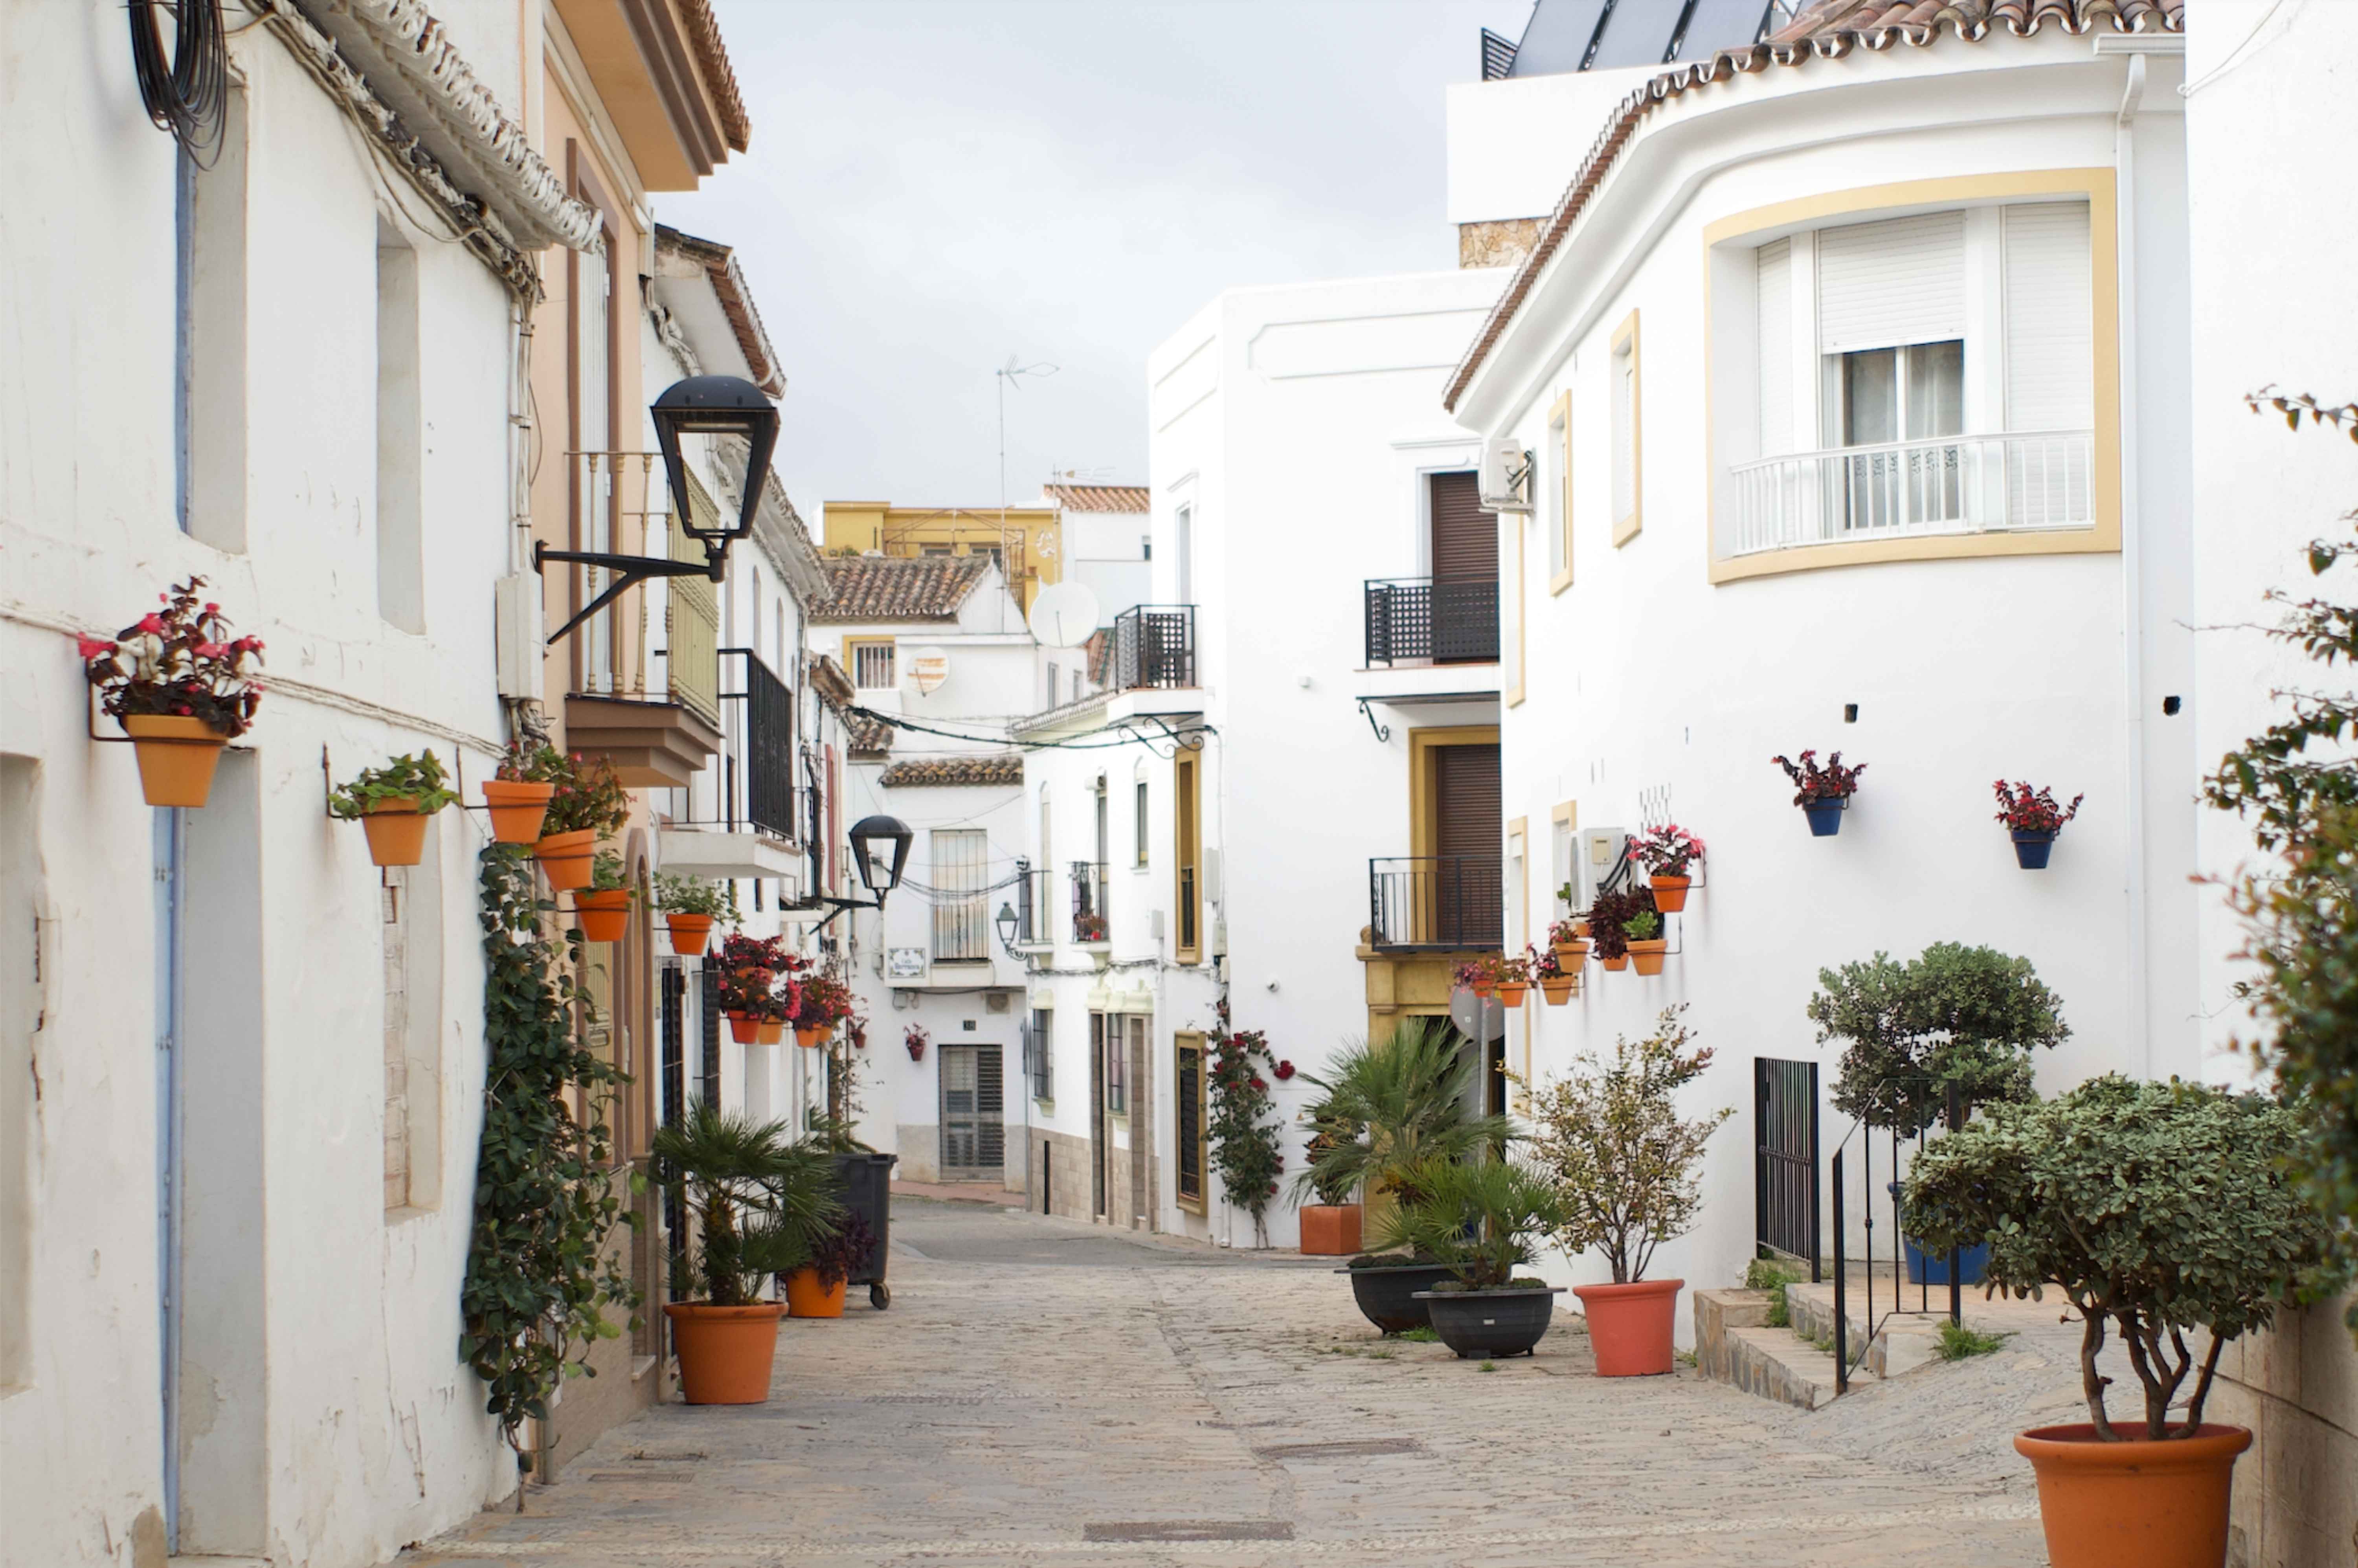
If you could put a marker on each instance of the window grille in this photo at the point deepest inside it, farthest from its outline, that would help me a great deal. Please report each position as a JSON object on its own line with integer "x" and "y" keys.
{"x": 1040, "y": 1054}
{"x": 961, "y": 924}
{"x": 873, "y": 667}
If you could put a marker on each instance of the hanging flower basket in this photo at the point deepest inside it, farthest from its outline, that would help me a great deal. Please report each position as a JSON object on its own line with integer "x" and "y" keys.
{"x": 181, "y": 688}
{"x": 1822, "y": 794}
{"x": 604, "y": 916}
{"x": 176, "y": 757}
{"x": 1511, "y": 993}
{"x": 690, "y": 933}
{"x": 772, "y": 1030}
{"x": 812, "y": 1036}
{"x": 1669, "y": 854}
{"x": 516, "y": 809}
{"x": 744, "y": 1028}
{"x": 1646, "y": 955}
{"x": 917, "y": 1040}
{"x": 2032, "y": 819}
{"x": 1559, "y": 991}
{"x": 565, "y": 857}
{"x": 396, "y": 831}
{"x": 1617, "y": 963}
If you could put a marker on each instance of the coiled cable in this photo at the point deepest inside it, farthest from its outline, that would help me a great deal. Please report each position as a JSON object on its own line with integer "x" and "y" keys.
{"x": 188, "y": 92}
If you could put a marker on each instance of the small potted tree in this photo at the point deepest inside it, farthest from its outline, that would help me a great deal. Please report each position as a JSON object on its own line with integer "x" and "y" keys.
{"x": 2032, "y": 819}
{"x": 1479, "y": 1218}
{"x": 518, "y": 793}
{"x": 1626, "y": 1168}
{"x": 1822, "y": 794}
{"x": 588, "y": 804}
{"x": 2158, "y": 1209}
{"x": 182, "y": 688}
{"x": 1668, "y": 853}
{"x": 758, "y": 1200}
{"x": 1548, "y": 972}
{"x": 393, "y": 805}
{"x": 603, "y": 908}
{"x": 690, "y": 906}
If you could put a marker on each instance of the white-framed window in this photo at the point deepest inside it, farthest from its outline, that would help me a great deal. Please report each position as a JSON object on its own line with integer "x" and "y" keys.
{"x": 959, "y": 871}
{"x": 873, "y": 664}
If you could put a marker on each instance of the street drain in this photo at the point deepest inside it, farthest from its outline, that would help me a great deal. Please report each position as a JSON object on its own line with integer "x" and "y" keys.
{"x": 645, "y": 1474}
{"x": 921, "y": 1399}
{"x": 1357, "y": 1450}
{"x": 1191, "y": 1529}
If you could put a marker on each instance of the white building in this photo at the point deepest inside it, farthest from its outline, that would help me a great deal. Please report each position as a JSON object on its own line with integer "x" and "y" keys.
{"x": 1108, "y": 540}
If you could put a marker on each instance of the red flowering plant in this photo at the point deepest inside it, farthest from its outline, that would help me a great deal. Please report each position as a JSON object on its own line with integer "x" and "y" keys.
{"x": 1542, "y": 963}
{"x": 757, "y": 977}
{"x": 1814, "y": 786}
{"x": 1670, "y": 850}
{"x": 1243, "y": 1137}
{"x": 177, "y": 662}
{"x": 826, "y": 1002}
{"x": 2026, "y": 810}
{"x": 589, "y": 795}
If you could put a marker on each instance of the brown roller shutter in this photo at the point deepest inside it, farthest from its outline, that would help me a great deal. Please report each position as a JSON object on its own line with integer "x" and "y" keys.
{"x": 1467, "y": 820}
{"x": 1464, "y": 538}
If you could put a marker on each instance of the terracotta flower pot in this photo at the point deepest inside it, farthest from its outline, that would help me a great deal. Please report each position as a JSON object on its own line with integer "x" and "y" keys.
{"x": 176, "y": 757}
{"x": 1670, "y": 893}
{"x": 1648, "y": 955}
{"x": 814, "y": 1036}
{"x": 1619, "y": 961}
{"x": 396, "y": 831}
{"x": 565, "y": 857}
{"x": 1330, "y": 1230}
{"x": 516, "y": 809}
{"x": 806, "y": 1299}
{"x": 1629, "y": 1326}
{"x": 771, "y": 1031}
{"x": 1512, "y": 995}
{"x": 603, "y": 916}
{"x": 725, "y": 1352}
{"x": 689, "y": 933}
{"x": 2157, "y": 1504}
{"x": 1571, "y": 954}
{"x": 1557, "y": 992}
{"x": 744, "y": 1028}
{"x": 1483, "y": 988}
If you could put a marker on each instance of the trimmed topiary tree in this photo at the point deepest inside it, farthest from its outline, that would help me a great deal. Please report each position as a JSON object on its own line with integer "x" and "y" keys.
{"x": 1966, "y": 1016}
{"x": 2157, "y": 1208}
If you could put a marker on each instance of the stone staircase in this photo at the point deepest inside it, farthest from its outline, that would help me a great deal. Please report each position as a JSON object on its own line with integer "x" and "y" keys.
{"x": 1735, "y": 1342}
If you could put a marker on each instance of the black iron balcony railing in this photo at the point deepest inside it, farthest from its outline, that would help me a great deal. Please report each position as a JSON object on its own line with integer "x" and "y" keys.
{"x": 1436, "y": 903}
{"x": 1033, "y": 925}
{"x": 1089, "y": 902}
{"x": 1153, "y": 646}
{"x": 771, "y": 795}
{"x": 1448, "y": 620}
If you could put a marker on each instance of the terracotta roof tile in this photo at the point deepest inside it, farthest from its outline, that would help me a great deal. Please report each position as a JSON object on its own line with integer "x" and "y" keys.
{"x": 942, "y": 771}
{"x": 712, "y": 63}
{"x": 867, "y": 737}
{"x": 1823, "y": 29}
{"x": 1102, "y": 497}
{"x": 897, "y": 588}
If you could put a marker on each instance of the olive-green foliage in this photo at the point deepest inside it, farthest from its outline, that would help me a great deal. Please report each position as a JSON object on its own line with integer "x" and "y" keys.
{"x": 1967, "y": 1016}
{"x": 1478, "y": 1217}
{"x": 540, "y": 1276}
{"x": 676, "y": 894}
{"x": 1958, "y": 1342}
{"x": 419, "y": 778}
{"x": 1761, "y": 1274}
{"x": 2156, "y": 1207}
{"x": 1392, "y": 1106}
{"x": 758, "y": 1198}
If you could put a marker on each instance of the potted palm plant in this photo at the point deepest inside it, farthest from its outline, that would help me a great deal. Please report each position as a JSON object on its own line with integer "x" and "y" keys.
{"x": 1479, "y": 1218}
{"x": 603, "y": 908}
{"x": 1822, "y": 794}
{"x": 588, "y": 806}
{"x": 393, "y": 805}
{"x": 1391, "y": 1107}
{"x": 2032, "y": 819}
{"x": 757, "y": 1201}
{"x": 2158, "y": 1209}
{"x": 517, "y": 795}
{"x": 1625, "y": 1167}
{"x": 690, "y": 906}
{"x": 1668, "y": 853}
{"x": 182, "y": 688}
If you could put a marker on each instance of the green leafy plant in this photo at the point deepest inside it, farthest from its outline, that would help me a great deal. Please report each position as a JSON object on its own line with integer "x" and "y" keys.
{"x": 2157, "y": 1208}
{"x": 533, "y": 762}
{"x": 1244, "y": 1145}
{"x": 1478, "y": 1217}
{"x": 1959, "y": 1342}
{"x": 1644, "y": 926}
{"x": 1328, "y": 1131}
{"x": 1392, "y": 1106}
{"x": 1761, "y": 1274}
{"x": 589, "y": 795}
{"x": 417, "y": 778}
{"x": 1422, "y": 1333}
{"x": 1964, "y": 1016}
{"x": 606, "y": 874}
{"x": 1624, "y": 1164}
{"x": 758, "y": 1199}
{"x": 1610, "y": 914}
{"x": 676, "y": 894}
{"x": 541, "y": 1273}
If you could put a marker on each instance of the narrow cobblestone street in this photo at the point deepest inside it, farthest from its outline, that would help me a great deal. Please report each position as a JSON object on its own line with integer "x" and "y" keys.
{"x": 1044, "y": 1392}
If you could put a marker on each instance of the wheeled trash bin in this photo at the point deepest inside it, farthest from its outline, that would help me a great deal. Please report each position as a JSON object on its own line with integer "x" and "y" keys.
{"x": 867, "y": 1180}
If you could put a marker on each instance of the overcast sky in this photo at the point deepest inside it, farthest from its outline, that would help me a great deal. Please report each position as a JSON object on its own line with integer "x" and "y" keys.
{"x": 935, "y": 185}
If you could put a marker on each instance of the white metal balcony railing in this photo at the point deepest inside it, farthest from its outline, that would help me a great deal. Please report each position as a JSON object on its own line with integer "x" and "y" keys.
{"x": 1949, "y": 485}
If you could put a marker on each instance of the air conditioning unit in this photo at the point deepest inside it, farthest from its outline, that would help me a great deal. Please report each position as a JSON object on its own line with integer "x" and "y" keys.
{"x": 1601, "y": 849}
{"x": 1506, "y": 475}
{"x": 520, "y": 635}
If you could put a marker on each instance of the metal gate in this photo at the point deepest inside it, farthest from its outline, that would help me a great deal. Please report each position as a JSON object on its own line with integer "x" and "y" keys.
{"x": 974, "y": 1123}
{"x": 1785, "y": 1167}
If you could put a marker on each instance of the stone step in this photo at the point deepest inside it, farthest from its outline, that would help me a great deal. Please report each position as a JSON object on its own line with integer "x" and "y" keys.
{"x": 1735, "y": 1345}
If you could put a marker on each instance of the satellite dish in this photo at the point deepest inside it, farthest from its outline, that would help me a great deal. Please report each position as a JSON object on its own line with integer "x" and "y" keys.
{"x": 1478, "y": 1018}
{"x": 1065, "y": 615}
{"x": 928, "y": 668}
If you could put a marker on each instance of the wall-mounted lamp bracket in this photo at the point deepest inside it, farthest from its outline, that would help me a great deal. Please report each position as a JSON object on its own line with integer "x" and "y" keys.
{"x": 630, "y": 571}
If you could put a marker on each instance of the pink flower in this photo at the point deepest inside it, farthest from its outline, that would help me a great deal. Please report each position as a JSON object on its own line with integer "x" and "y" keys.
{"x": 91, "y": 647}
{"x": 212, "y": 609}
{"x": 151, "y": 623}
{"x": 210, "y": 650}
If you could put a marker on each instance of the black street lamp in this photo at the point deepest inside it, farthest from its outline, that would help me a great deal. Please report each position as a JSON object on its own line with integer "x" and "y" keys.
{"x": 1006, "y": 923}
{"x": 867, "y": 837}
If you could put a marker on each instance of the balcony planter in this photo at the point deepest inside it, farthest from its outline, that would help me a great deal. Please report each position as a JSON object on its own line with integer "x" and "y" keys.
{"x": 2157, "y": 1504}
{"x": 1645, "y": 954}
{"x": 1629, "y": 1326}
{"x": 176, "y": 757}
{"x": 806, "y": 1297}
{"x": 744, "y": 1028}
{"x": 1330, "y": 1230}
{"x": 565, "y": 857}
{"x": 724, "y": 1351}
{"x": 689, "y": 933}
{"x": 516, "y": 809}
{"x": 1670, "y": 893}
{"x": 603, "y": 916}
{"x": 1558, "y": 992}
{"x": 1508, "y": 1321}
{"x": 396, "y": 831}
{"x": 2031, "y": 849}
{"x": 1390, "y": 1291}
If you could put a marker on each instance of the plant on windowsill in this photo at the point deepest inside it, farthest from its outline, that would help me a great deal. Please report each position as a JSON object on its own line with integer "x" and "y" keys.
{"x": 603, "y": 908}
{"x": 180, "y": 686}
{"x": 1088, "y": 929}
{"x": 2032, "y": 819}
{"x": 1548, "y": 972}
{"x": 1480, "y": 1217}
{"x": 588, "y": 804}
{"x": 691, "y": 906}
{"x": 757, "y": 1200}
{"x": 1822, "y": 794}
{"x": 2158, "y": 1209}
{"x": 1669, "y": 854}
{"x": 393, "y": 805}
{"x": 815, "y": 1281}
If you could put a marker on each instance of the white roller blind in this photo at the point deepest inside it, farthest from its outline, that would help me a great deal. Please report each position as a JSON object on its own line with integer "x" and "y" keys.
{"x": 2049, "y": 346}
{"x": 1898, "y": 281}
{"x": 1773, "y": 318}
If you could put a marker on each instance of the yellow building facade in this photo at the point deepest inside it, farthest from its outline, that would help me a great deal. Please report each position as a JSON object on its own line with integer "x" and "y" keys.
{"x": 1027, "y": 541}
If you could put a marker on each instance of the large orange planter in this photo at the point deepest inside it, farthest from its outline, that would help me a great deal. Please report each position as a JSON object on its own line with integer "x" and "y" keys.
{"x": 1648, "y": 955}
{"x": 1330, "y": 1230}
{"x": 806, "y": 1299}
{"x": 397, "y": 832}
{"x": 1629, "y": 1326}
{"x": 516, "y": 809}
{"x": 1670, "y": 893}
{"x": 689, "y": 933}
{"x": 176, "y": 757}
{"x": 2155, "y": 1505}
{"x": 744, "y": 1028}
{"x": 565, "y": 857}
{"x": 604, "y": 916}
{"x": 725, "y": 1352}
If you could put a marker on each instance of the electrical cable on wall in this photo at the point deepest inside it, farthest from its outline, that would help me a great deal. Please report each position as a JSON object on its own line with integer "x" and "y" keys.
{"x": 188, "y": 94}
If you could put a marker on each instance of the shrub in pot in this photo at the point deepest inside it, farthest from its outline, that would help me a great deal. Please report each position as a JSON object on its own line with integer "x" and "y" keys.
{"x": 1822, "y": 794}
{"x": 518, "y": 793}
{"x": 1669, "y": 854}
{"x": 182, "y": 688}
{"x": 603, "y": 908}
{"x": 1626, "y": 1168}
{"x": 2032, "y": 819}
{"x": 1478, "y": 1217}
{"x": 1330, "y": 1227}
{"x": 690, "y": 906}
{"x": 1608, "y": 917}
{"x": 393, "y": 805}
{"x": 588, "y": 804}
{"x": 1646, "y": 943}
{"x": 2159, "y": 1210}
{"x": 816, "y": 1281}
{"x": 757, "y": 1201}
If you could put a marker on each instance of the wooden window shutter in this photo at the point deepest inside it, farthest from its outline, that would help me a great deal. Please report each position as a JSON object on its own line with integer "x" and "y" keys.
{"x": 1464, "y": 536}
{"x": 1468, "y": 817}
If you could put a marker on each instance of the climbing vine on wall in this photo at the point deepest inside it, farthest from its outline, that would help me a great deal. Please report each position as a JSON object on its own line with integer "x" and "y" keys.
{"x": 1243, "y": 1137}
{"x": 539, "y": 1277}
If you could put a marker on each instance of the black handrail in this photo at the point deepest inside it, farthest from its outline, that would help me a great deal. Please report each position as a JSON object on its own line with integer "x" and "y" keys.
{"x": 1436, "y": 903}
{"x": 1844, "y": 1364}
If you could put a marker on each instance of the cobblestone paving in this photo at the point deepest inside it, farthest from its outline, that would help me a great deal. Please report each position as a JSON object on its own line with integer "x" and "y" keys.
{"x": 1044, "y": 1392}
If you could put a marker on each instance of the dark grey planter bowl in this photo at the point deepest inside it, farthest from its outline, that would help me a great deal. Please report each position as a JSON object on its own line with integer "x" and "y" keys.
{"x": 1389, "y": 1297}
{"x": 1491, "y": 1322}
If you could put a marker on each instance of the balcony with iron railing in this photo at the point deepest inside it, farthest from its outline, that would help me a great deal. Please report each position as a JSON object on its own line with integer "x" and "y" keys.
{"x": 1034, "y": 921}
{"x": 1945, "y": 485}
{"x": 1442, "y": 620}
{"x": 1436, "y": 903}
{"x": 1089, "y": 911}
{"x": 1154, "y": 648}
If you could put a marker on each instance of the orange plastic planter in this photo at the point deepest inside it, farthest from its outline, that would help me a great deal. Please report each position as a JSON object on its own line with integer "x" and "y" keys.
{"x": 1557, "y": 992}
{"x": 1648, "y": 955}
{"x": 1617, "y": 963}
{"x": 565, "y": 857}
{"x": 744, "y": 1028}
{"x": 1629, "y": 1326}
{"x": 689, "y": 933}
{"x": 2157, "y": 1505}
{"x": 806, "y": 1299}
{"x": 1671, "y": 893}
{"x": 604, "y": 916}
{"x": 772, "y": 1030}
{"x": 725, "y": 1352}
{"x": 814, "y": 1036}
{"x": 516, "y": 809}
{"x": 1483, "y": 988}
{"x": 176, "y": 757}
{"x": 1330, "y": 1230}
{"x": 397, "y": 832}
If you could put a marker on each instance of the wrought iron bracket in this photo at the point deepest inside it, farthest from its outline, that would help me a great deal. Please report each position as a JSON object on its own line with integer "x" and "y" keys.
{"x": 841, "y": 907}
{"x": 630, "y": 571}
{"x": 1367, "y": 710}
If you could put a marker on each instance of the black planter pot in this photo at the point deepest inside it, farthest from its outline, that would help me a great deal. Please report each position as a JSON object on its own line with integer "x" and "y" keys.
{"x": 1388, "y": 1297}
{"x": 1491, "y": 1322}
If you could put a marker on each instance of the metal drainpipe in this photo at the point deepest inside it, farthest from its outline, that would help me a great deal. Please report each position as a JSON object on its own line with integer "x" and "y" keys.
{"x": 2132, "y": 558}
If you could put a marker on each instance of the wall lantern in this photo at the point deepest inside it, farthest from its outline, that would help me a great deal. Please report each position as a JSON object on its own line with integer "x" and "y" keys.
{"x": 700, "y": 406}
{"x": 870, "y": 836}
{"x": 1006, "y": 923}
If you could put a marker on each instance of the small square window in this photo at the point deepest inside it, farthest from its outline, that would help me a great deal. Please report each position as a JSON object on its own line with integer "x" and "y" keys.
{"x": 873, "y": 667}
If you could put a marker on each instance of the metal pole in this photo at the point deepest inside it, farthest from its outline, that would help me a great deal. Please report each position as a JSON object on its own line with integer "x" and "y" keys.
{"x": 1842, "y": 1319}
{"x": 1817, "y": 1242}
{"x": 1956, "y": 1285}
